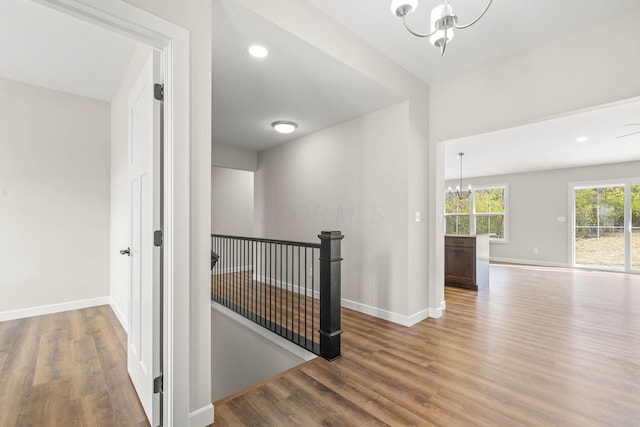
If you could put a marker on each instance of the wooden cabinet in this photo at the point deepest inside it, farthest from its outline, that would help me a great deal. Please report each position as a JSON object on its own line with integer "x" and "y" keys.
{"x": 466, "y": 261}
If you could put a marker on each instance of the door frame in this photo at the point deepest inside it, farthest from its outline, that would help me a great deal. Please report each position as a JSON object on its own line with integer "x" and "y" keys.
{"x": 173, "y": 41}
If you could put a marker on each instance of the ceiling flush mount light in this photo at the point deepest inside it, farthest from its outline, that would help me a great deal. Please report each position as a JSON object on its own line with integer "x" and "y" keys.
{"x": 459, "y": 192}
{"x": 443, "y": 21}
{"x": 282, "y": 126}
{"x": 258, "y": 51}
{"x": 582, "y": 139}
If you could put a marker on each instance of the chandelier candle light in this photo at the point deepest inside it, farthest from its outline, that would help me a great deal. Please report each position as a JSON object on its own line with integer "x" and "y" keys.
{"x": 443, "y": 21}
{"x": 462, "y": 194}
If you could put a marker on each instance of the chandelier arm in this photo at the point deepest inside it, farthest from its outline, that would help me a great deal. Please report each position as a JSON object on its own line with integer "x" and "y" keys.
{"x": 462, "y": 27}
{"x": 404, "y": 21}
{"x": 461, "y": 154}
{"x": 442, "y": 49}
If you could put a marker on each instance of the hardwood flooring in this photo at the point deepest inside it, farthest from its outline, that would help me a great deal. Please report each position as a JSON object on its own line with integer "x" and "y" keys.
{"x": 66, "y": 369}
{"x": 539, "y": 347}
{"x": 289, "y": 314}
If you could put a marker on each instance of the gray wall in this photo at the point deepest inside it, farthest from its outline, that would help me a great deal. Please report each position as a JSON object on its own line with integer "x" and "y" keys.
{"x": 224, "y": 156}
{"x": 409, "y": 162}
{"x": 536, "y": 200}
{"x": 580, "y": 71}
{"x": 54, "y": 197}
{"x": 242, "y": 355}
{"x": 346, "y": 178}
{"x": 232, "y": 196}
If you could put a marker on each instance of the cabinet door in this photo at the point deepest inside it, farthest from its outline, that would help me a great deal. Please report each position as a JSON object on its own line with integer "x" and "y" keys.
{"x": 460, "y": 265}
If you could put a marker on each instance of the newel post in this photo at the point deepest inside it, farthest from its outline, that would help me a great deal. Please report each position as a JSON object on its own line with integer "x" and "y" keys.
{"x": 330, "y": 294}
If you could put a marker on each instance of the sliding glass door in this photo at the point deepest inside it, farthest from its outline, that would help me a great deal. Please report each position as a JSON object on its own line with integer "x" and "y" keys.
{"x": 606, "y": 232}
{"x": 635, "y": 227}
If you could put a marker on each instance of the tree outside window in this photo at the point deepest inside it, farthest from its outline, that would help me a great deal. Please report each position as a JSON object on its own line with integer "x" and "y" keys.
{"x": 457, "y": 214}
{"x": 489, "y": 210}
{"x": 482, "y": 213}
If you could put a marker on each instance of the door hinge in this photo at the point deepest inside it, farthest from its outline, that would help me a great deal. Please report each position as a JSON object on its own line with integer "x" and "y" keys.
{"x": 157, "y": 384}
{"x": 158, "y": 91}
{"x": 157, "y": 238}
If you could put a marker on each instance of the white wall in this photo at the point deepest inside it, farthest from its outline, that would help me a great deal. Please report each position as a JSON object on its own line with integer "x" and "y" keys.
{"x": 536, "y": 200}
{"x": 232, "y": 202}
{"x": 195, "y": 16}
{"x": 119, "y": 238}
{"x": 54, "y": 197}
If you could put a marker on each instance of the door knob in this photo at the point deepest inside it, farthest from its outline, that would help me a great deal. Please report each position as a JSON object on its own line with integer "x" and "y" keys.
{"x": 126, "y": 252}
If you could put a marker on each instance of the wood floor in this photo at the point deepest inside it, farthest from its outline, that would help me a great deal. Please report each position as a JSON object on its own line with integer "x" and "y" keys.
{"x": 289, "y": 314}
{"x": 66, "y": 369}
{"x": 540, "y": 347}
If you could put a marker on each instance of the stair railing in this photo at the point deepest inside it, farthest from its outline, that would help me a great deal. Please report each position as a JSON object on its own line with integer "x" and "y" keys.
{"x": 291, "y": 288}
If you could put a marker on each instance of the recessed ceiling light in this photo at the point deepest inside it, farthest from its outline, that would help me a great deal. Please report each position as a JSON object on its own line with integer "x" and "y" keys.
{"x": 258, "y": 51}
{"x": 582, "y": 139}
{"x": 283, "y": 126}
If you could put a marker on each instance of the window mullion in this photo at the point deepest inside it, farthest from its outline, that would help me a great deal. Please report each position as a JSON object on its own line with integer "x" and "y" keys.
{"x": 627, "y": 227}
{"x": 472, "y": 217}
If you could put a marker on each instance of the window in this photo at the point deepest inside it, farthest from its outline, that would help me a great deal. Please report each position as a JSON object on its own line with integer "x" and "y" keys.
{"x": 489, "y": 211}
{"x": 457, "y": 214}
{"x": 483, "y": 213}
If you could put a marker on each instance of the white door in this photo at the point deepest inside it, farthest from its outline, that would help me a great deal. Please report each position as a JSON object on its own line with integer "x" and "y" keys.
{"x": 144, "y": 340}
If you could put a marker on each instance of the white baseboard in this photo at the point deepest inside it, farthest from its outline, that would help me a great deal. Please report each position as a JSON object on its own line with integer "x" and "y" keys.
{"x": 121, "y": 317}
{"x": 237, "y": 269}
{"x": 288, "y": 286}
{"x": 357, "y": 306}
{"x": 437, "y": 312}
{"x": 530, "y": 262}
{"x": 53, "y": 308}
{"x": 202, "y": 417}
{"x": 400, "y": 319}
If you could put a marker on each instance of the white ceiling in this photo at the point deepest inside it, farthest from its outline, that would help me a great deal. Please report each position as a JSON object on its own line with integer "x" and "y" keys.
{"x": 47, "y": 48}
{"x": 508, "y": 28}
{"x": 550, "y": 144}
{"x": 295, "y": 82}
{"x": 300, "y": 83}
